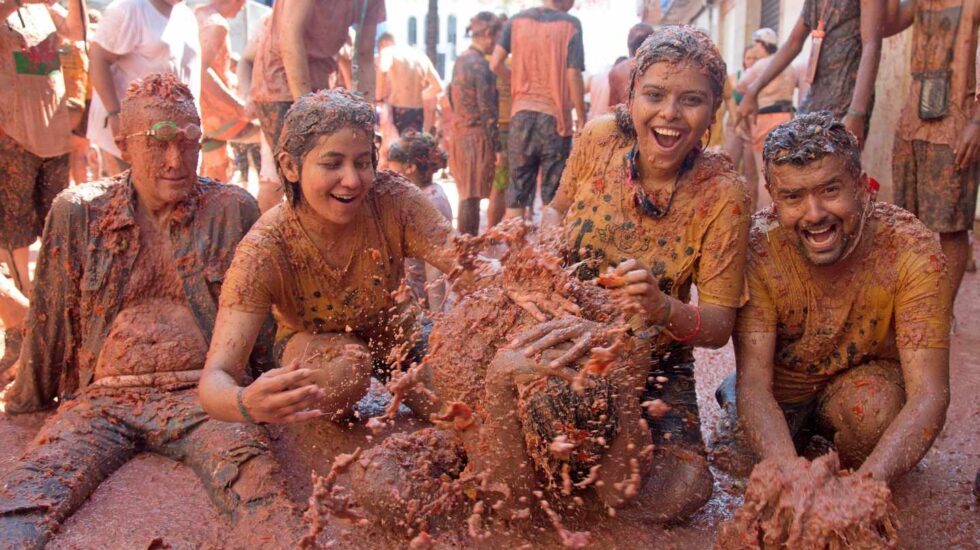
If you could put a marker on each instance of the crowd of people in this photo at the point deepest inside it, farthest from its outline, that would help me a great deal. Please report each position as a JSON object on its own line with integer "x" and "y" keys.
{"x": 173, "y": 312}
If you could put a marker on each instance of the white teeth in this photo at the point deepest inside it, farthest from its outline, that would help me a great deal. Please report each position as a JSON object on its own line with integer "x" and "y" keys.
{"x": 667, "y": 132}
{"x": 344, "y": 199}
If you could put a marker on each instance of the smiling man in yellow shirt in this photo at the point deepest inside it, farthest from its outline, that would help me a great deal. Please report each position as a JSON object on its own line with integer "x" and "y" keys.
{"x": 846, "y": 331}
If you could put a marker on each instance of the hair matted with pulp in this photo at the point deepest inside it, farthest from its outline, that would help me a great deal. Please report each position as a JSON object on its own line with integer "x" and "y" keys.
{"x": 420, "y": 149}
{"x": 163, "y": 90}
{"x": 677, "y": 45}
{"x": 318, "y": 114}
{"x": 810, "y": 137}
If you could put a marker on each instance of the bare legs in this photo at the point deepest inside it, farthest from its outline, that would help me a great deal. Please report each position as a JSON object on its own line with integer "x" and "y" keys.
{"x": 469, "y": 216}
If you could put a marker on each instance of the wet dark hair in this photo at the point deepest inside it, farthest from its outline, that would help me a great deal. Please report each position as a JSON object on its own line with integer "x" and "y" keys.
{"x": 421, "y": 150}
{"x": 492, "y": 22}
{"x": 808, "y": 138}
{"x": 675, "y": 44}
{"x": 319, "y": 114}
{"x": 637, "y": 35}
{"x": 385, "y": 36}
{"x": 770, "y": 48}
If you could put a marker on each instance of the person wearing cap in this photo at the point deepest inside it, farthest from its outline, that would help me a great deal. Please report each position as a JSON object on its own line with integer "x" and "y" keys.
{"x": 619, "y": 75}
{"x": 475, "y": 140}
{"x": 844, "y": 55}
{"x": 775, "y": 102}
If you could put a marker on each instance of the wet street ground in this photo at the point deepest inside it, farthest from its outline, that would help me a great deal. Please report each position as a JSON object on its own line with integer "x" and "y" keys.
{"x": 153, "y": 501}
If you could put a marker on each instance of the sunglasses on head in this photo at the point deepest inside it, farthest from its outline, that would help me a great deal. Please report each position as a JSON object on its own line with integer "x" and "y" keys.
{"x": 167, "y": 130}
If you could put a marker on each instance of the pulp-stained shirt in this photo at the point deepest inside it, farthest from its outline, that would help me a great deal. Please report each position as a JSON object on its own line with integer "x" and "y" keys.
{"x": 944, "y": 45}
{"x": 543, "y": 44}
{"x": 473, "y": 94}
{"x": 279, "y": 267}
{"x": 701, "y": 240}
{"x": 840, "y": 55}
{"x": 894, "y": 295}
{"x": 88, "y": 250}
{"x": 33, "y": 111}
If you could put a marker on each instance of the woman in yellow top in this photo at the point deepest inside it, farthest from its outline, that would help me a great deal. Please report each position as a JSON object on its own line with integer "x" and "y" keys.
{"x": 328, "y": 263}
{"x": 641, "y": 197}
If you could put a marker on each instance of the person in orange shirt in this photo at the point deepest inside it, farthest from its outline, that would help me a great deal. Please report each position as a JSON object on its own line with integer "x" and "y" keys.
{"x": 547, "y": 53}
{"x": 846, "y": 331}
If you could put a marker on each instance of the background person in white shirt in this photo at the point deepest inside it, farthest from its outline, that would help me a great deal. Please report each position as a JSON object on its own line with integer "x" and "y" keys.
{"x": 134, "y": 39}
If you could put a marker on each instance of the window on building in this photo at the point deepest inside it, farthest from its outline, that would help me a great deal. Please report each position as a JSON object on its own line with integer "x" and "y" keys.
{"x": 451, "y": 29}
{"x": 413, "y": 31}
{"x": 770, "y": 15}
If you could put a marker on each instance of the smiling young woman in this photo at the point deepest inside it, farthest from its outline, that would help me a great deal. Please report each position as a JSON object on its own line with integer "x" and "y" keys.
{"x": 327, "y": 263}
{"x": 640, "y": 196}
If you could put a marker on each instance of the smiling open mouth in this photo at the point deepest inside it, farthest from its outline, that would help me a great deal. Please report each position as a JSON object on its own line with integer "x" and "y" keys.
{"x": 666, "y": 137}
{"x": 821, "y": 238}
{"x": 343, "y": 199}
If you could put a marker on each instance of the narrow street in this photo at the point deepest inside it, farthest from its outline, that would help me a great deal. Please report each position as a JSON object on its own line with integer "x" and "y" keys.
{"x": 937, "y": 508}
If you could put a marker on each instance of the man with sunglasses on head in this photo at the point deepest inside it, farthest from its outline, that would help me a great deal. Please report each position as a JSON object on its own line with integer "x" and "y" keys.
{"x": 846, "y": 331}
{"x": 128, "y": 278}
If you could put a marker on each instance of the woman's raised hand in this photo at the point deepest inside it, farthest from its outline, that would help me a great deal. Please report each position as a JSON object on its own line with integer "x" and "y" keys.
{"x": 638, "y": 283}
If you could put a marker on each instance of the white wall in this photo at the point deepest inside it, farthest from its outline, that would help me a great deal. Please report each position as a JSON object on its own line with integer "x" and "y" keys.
{"x": 605, "y": 25}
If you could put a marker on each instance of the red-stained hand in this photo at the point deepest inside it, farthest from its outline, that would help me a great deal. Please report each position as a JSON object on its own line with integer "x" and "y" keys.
{"x": 967, "y": 146}
{"x": 284, "y": 395}
{"x": 583, "y": 334}
{"x": 638, "y": 283}
{"x": 515, "y": 367}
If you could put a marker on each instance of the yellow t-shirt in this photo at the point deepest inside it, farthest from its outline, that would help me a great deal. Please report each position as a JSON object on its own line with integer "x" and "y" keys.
{"x": 895, "y": 295}
{"x": 278, "y": 266}
{"x": 702, "y": 239}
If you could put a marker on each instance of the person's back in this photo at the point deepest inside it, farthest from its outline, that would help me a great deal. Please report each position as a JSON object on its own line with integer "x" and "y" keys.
{"x": 619, "y": 77}
{"x": 323, "y": 28}
{"x": 547, "y": 60}
{"x": 543, "y": 43}
{"x": 409, "y": 72}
